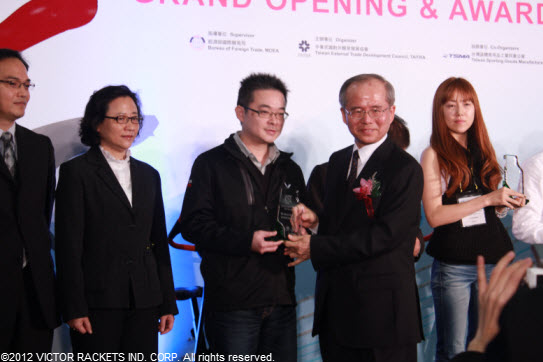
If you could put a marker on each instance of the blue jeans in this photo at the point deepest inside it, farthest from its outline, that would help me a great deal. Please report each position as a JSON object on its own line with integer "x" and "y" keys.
{"x": 454, "y": 288}
{"x": 253, "y": 332}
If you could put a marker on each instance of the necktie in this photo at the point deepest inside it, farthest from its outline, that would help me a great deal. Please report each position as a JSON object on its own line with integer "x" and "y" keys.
{"x": 9, "y": 152}
{"x": 351, "y": 179}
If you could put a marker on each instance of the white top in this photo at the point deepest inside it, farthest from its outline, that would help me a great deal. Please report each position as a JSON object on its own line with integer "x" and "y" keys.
{"x": 121, "y": 169}
{"x": 528, "y": 220}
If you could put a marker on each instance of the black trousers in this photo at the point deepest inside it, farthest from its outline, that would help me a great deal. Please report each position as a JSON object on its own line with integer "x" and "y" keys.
{"x": 120, "y": 331}
{"x": 333, "y": 351}
{"x": 25, "y": 329}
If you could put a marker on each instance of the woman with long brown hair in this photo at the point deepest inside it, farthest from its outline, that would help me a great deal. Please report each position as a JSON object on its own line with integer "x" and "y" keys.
{"x": 462, "y": 203}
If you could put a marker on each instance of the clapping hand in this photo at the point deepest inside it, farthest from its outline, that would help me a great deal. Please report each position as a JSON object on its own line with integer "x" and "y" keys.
{"x": 494, "y": 295}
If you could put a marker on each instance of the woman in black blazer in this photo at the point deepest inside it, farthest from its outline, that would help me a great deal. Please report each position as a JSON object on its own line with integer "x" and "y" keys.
{"x": 113, "y": 261}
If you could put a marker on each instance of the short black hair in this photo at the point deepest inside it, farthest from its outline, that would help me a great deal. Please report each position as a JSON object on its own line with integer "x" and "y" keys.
{"x": 363, "y": 78}
{"x": 96, "y": 110}
{"x": 6, "y": 53}
{"x": 257, "y": 81}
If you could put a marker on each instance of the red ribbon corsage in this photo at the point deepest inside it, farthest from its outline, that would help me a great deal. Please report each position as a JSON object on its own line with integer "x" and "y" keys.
{"x": 368, "y": 189}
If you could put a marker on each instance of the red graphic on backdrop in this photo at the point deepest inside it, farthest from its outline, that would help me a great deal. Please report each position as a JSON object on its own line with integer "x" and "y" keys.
{"x": 38, "y": 20}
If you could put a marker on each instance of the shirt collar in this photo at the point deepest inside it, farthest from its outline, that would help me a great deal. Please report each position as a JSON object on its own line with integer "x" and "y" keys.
{"x": 12, "y": 131}
{"x": 365, "y": 152}
{"x": 273, "y": 151}
{"x": 109, "y": 157}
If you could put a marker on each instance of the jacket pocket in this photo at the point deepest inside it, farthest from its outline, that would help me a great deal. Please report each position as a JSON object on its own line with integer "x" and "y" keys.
{"x": 152, "y": 281}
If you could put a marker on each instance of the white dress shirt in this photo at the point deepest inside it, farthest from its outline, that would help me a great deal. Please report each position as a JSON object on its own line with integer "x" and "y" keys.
{"x": 12, "y": 131}
{"x": 528, "y": 220}
{"x": 364, "y": 154}
{"x": 121, "y": 169}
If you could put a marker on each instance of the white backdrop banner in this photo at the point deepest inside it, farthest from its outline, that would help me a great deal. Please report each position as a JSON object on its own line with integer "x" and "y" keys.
{"x": 185, "y": 59}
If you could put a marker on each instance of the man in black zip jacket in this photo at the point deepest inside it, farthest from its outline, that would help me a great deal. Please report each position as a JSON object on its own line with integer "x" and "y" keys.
{"x": 229, "y": 213}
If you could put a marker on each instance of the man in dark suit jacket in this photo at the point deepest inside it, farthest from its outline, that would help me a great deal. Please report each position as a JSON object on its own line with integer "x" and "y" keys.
{"x": 365, "y": 303}
{"x": 399, "y": 134}
{"x": 28, "y": 313}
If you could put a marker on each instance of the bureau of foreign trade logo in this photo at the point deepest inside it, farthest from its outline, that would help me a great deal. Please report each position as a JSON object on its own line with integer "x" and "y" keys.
{"x": 304, "y": 46}
{"x": 197, "y": 42}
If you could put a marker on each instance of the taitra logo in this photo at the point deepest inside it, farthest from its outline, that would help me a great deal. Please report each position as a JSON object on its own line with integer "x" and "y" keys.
{"x": 304, "y": 46}
{"x": 197, "y": 42}
{"x": 456, "y": 56}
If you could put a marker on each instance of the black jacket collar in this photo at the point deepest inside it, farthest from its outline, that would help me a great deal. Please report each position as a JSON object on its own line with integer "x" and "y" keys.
{"x": 232, "y": 147}
{"x": 104, "y": 171}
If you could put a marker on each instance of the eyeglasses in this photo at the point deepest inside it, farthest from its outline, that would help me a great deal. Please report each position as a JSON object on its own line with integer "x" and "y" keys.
{"x": 357, "y": 114}
{"x": 122, "y": 119}
{"x": 16, "y": 84}
{"x": 268, "y": 115}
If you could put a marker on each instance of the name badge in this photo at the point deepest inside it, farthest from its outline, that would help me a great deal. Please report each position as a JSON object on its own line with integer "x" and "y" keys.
{"x": 478, "y": 217}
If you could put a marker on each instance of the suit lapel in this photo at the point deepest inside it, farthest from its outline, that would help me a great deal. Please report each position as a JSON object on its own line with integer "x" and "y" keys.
{"x": 139, "y": 188}
{"x": 24, "y": 162}
{"x": 24, "y": 158}
{"x": 4, "y": 172}
{"x": 105, "y": 173}
{"x": 339, "y": 171}
{"x": 347, "y": 202}
{"x": 376, "y": 161}
{"x": 376, "y": 165}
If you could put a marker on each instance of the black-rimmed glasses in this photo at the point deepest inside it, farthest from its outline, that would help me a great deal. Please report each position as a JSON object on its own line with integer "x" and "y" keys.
{"x": 268, "y": 115}
{"x": 122, "y": 119}
{"x": 357, "y": 114}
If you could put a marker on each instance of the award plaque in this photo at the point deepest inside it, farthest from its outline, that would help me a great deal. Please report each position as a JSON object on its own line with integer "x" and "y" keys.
{"x": 513, "y": 175}
{"x": 288, "y": 198}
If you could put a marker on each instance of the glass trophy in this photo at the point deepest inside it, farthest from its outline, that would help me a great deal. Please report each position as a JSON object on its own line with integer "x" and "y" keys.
{"x": 288, "y": 198}
{"x": 513, "y": 175}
